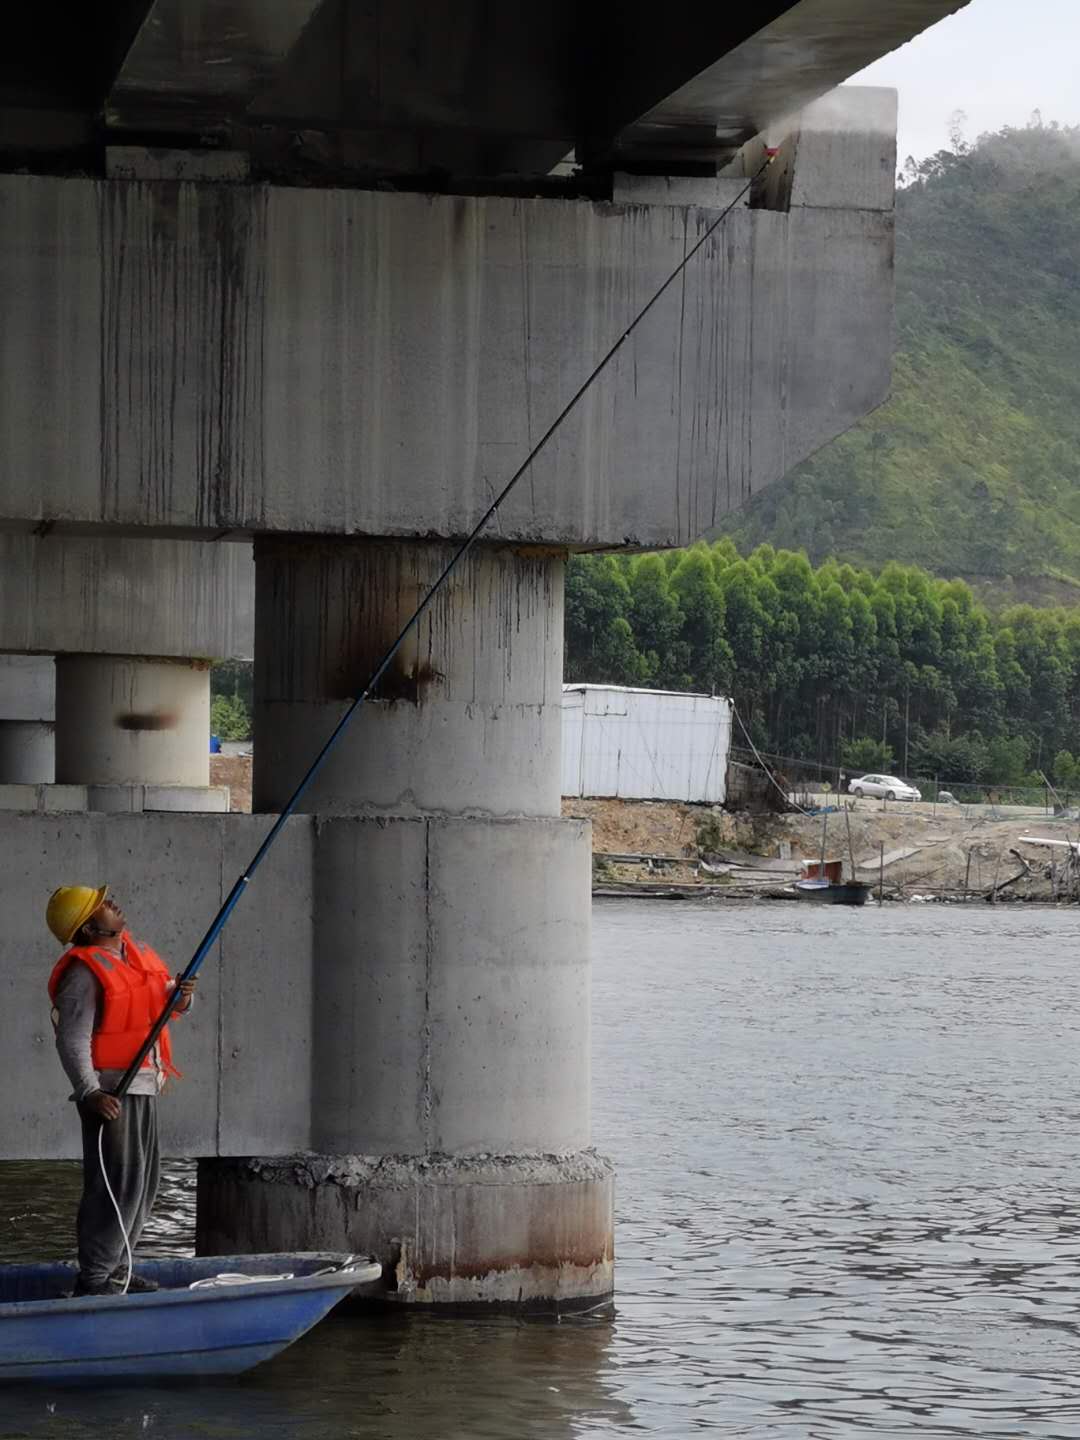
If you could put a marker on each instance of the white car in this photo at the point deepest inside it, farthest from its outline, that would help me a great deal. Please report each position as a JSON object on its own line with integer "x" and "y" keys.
{"x": 887, "y": 786}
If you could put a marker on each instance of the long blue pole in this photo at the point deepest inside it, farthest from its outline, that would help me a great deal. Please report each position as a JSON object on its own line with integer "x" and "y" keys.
{"x": 221, "y": 919}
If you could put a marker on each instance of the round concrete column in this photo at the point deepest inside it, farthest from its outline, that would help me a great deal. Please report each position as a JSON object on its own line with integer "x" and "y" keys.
{"x": 27, "y": 752}
{"x": 124, "y": 721}
{"x": 469, "y": 718}
{"x": 450, "y": 1129}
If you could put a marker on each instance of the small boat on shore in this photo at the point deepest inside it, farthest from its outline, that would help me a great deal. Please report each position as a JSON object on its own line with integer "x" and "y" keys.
{"x": 820, "y": 891}
{"x": 822, "y": 883}
{"x": 213, "y": 1315}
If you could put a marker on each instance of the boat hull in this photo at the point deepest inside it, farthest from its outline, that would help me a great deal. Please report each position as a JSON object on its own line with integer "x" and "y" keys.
{"x": 849, "y": 893}
{"x": 176, "y": 1331}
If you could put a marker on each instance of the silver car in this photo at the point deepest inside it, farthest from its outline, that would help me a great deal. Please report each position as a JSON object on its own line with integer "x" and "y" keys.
{"x": 887, "y": 786}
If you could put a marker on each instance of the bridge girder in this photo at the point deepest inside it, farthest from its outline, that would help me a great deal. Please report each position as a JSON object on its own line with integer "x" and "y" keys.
{"x": 425, "y": 94}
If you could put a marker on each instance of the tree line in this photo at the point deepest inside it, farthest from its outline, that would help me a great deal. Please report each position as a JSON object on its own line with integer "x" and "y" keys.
{"x": 837, "y": 665}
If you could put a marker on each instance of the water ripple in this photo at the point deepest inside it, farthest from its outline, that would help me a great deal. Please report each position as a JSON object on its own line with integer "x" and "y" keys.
{"x": 847, "y": 1206}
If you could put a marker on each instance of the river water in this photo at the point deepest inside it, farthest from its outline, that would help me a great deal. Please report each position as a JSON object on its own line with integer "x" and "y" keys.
{"x": 848, "y": 1205}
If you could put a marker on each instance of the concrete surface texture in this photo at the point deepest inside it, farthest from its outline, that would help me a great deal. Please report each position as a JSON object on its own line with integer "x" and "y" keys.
{"x": 467, "y": 719}
{"x": 121, "y": 721}
{"x": 27, "y": 710}
{"x": 127, "y": 799}
{"x": 450, "y": 923}
{"x": 27, "y": 752}
{"x": 115, "y": 594}
{"x": 135, "y": 621}
{"x": 786, "y": 60}
{"x": 438, "y": 1013}
{"x": 27, "y": 688}
{"x": 459, "y": 950}
{"x": 246, "y": 1053}
{"x": 401, "y": 352}
{"x": 528, "y": 1231}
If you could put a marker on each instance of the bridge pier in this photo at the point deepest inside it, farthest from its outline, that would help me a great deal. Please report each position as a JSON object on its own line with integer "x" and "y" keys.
{"x": 133, "y": 624}
{"x": 394, "y": 1049}
{"x": 125, "y": 720}
{"x": 450, "y": 1042}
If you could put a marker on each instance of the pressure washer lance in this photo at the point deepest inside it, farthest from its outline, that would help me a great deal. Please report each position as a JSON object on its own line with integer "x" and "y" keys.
{"x": 244, "y": 879}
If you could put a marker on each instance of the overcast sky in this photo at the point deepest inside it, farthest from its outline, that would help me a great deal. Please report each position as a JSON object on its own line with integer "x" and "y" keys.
{"x": 997, "y": 60}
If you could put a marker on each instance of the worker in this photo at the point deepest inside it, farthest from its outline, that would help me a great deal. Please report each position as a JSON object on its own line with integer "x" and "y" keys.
{"x": 107, "y": 991}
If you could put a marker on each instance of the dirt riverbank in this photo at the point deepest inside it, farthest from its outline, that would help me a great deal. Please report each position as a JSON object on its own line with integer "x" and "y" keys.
{"x": 948, "y": 851}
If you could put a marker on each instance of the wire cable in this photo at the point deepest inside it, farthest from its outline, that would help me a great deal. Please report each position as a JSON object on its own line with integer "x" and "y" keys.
{"x": 772, "y": 778}
{"x": 116, "y": 1206}
{"x": 232, "y": 899}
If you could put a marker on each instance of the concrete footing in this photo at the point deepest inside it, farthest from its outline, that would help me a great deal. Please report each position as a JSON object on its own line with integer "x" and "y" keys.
{"x": 528, "y": 1231}
{"x": 115, "y": 799}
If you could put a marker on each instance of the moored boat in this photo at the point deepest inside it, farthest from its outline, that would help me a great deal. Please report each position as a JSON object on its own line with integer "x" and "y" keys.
{"x": 823, "y": 883}
{"x": 213, "y": 1315}
{"x": 832, "y": 892}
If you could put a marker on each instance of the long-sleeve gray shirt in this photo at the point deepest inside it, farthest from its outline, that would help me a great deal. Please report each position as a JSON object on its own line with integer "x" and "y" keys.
{"x": 78, "y": 1007}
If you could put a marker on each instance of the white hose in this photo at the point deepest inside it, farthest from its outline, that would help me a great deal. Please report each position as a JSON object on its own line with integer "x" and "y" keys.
{"x": 231, "y": 1277}
{"x": 228, "y": 1277}
{"x": 116, "y": 1207}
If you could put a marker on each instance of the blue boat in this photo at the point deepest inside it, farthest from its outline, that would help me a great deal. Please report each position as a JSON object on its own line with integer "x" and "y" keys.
{"x": 242, "y": 1310}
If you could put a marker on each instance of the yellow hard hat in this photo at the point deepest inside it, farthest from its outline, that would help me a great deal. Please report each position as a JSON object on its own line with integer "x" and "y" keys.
{"x": 70, "y": 907}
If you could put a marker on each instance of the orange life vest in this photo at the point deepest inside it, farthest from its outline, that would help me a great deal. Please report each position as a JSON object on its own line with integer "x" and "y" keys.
{"x": 134, "y": 992}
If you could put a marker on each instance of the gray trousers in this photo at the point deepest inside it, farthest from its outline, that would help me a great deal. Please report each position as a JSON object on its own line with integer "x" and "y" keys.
{"x": 130, "y": 1149}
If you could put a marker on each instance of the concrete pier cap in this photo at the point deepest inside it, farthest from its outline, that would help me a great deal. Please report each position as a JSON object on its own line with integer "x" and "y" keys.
{"x": 401, "y": 352}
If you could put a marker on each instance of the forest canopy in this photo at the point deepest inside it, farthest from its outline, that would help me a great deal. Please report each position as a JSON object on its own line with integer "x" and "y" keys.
{"x": 837, "y": 664}
{"x": 972, "y": 467}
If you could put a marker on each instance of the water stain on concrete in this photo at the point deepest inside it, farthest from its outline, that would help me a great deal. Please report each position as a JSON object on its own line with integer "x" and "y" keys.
{"x": 148, "y": 720}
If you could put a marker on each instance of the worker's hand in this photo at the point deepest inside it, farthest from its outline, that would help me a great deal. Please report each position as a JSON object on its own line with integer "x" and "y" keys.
{"x": 103, "y": 1105}
{"x": 187, "y": 994}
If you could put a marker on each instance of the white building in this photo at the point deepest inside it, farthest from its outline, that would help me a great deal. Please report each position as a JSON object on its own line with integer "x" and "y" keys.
{"x": 644, "y": 744}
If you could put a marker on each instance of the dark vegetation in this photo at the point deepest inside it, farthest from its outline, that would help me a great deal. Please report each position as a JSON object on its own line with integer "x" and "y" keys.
{"x": 973, "y": 466}
{"x": 838, "y": 665}
{"x": 230, "y": 700}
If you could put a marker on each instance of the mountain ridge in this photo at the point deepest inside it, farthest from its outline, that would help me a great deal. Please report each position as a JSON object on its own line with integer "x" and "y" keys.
{"x": 972, "y": 466}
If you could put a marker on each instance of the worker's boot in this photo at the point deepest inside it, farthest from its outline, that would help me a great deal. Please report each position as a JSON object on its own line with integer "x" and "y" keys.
{"x": 94, "y": 1287}
{"x": 137, "y": 1285}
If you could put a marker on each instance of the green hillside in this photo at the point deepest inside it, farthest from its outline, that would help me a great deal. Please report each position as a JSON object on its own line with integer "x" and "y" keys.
{"x": 972, "y": 468}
